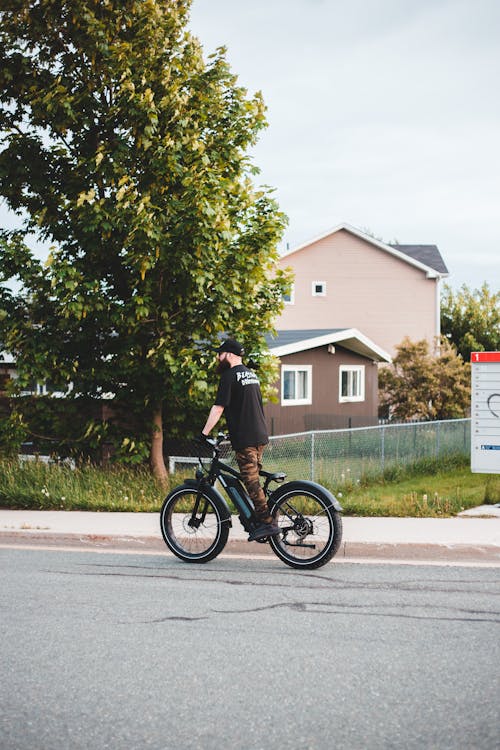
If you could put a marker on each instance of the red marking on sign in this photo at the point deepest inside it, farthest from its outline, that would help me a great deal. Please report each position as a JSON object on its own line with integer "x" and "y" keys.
{"x": 485, "y": 357}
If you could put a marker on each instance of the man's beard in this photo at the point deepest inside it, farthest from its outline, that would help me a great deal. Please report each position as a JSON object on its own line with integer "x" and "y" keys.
{"x": 222, "y": 366}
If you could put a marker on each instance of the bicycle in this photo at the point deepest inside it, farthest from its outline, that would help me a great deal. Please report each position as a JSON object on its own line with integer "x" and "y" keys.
{"x": 195, "y": 518}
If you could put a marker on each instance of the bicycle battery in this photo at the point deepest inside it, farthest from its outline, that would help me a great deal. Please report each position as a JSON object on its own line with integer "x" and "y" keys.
{"x": 238, "y": 495}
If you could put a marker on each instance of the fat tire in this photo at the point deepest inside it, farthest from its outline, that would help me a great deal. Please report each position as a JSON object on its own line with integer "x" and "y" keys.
{"x": 221, "y": 525}
{"x": 286, "y": 494}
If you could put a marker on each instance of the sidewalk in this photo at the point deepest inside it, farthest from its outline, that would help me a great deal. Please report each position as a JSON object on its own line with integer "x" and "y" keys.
{"x": 472, "y": 537}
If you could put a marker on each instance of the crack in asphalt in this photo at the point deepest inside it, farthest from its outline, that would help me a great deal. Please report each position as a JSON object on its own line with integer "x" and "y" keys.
{"x": 166, "y": 619}
{"x": 306, "y": 607}
{"x": 456, "y": 614}
{"x": 329, "y": 608}
{"x": 329, "y": 583}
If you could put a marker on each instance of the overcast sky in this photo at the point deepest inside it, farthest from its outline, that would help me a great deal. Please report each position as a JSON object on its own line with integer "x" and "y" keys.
{"x": 384, "y": 114}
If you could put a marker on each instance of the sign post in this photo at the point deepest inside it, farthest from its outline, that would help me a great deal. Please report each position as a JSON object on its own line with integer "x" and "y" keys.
{"x": 485, "y": 412}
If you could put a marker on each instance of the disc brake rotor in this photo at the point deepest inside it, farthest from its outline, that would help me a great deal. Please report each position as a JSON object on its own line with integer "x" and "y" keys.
{"x": 302, "y": 527}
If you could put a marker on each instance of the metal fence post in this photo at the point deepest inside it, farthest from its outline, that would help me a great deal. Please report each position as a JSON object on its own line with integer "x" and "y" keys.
{"x": 312, "y": 456}
{"x": 382, "y": 448}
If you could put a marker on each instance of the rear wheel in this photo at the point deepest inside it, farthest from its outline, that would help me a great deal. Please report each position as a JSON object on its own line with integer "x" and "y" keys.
{"x": 312, "y": 527}
{"x": 194, "y": 525}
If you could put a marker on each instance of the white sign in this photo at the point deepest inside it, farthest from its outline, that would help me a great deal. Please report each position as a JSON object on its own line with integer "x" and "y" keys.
{"x": 485, "y": 412}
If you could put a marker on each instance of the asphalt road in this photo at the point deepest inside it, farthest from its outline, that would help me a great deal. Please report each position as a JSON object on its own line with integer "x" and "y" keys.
{"x": 142, "y": 651}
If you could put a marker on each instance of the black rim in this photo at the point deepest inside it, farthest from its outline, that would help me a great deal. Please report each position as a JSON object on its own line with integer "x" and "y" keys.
{"x": 308, "y": 528}
{"x": 190, "y": 535}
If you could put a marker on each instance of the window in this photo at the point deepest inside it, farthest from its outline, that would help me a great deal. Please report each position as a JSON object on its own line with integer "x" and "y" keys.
{"x": 34, "y": 388}
{"x": 351, "y": 383}
{"x": 289, "y": 297}
{"x": 296, "y": 385}
{"x": 319, "y": 288}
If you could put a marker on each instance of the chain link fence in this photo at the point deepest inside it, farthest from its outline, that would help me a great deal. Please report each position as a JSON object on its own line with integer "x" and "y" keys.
{"x": 338, "y": 456}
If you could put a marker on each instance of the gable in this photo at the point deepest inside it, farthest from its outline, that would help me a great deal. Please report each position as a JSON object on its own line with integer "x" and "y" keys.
{"x": 425, "y": 258}
{"x": 292, "y": 341}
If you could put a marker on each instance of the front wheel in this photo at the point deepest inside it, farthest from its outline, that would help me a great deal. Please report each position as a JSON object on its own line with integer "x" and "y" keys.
{"x": 311, "y": 527}
{"x": 194, "y": 525}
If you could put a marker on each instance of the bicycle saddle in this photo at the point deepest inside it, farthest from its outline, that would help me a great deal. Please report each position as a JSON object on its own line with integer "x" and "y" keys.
{"x": 278, "y": 476}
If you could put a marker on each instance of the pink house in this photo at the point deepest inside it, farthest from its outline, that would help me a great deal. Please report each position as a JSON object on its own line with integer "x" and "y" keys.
{"x": 347, "y": 279}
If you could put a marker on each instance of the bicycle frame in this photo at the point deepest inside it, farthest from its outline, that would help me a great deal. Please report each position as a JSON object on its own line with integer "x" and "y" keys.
{"x": 308, "y": 515}
{"x": 231, "y": 482}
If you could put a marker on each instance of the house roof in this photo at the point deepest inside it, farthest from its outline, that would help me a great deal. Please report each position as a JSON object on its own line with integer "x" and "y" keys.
{"x": 293, "y": 341}
{"x": 429, "y": 255}
{"x": 425, "y": 257}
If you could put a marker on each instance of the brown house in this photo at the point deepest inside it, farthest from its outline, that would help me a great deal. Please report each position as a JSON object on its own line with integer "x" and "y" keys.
{"x": 328, "y": 380}
{"x": 347, "y": 278}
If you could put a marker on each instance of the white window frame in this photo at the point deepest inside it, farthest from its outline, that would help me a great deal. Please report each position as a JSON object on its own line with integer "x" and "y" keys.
{"x": 41, "y": 389}
{"x": 350, "y": 369}
{"x": 315, "y": 293}
{"x": 290, "y": 301}
{"x": 296, "y": 401}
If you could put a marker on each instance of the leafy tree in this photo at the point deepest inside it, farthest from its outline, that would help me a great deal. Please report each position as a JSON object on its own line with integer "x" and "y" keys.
{"x": 419, "y": 385}
{"x": 470, "y": 319}
{"x": 13, "y": 432}
{"x": 127, "y": 150}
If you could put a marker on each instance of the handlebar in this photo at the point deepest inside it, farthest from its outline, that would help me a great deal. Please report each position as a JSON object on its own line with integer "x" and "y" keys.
{"x": 214, "y": 443}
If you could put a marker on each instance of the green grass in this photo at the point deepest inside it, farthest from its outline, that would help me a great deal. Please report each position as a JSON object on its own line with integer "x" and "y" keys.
{"x": 425, "y": 490}
{"x": 437, "y": 494}
{"x": 34, "y": 485}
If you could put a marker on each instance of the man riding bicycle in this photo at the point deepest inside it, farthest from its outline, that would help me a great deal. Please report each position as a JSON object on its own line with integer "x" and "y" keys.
{"x": 239, "y": 397}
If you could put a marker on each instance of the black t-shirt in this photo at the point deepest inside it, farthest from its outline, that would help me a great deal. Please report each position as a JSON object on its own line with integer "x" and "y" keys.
{"x": 239, "y": 394}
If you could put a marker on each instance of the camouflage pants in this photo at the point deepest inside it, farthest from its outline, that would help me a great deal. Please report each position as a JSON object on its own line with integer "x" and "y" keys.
{"x": 250, "y": 462}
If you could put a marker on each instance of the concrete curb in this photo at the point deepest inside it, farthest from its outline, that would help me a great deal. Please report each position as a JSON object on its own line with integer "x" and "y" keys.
{"x": 447, "y": 540}
{"x": 437, "y": 553}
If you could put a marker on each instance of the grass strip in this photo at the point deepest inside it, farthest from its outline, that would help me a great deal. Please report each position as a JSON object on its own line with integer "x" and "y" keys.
{"x": 422, "y": 491}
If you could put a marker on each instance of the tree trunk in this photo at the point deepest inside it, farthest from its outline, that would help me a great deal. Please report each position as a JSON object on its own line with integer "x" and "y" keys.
{"x": 156, "y": 460}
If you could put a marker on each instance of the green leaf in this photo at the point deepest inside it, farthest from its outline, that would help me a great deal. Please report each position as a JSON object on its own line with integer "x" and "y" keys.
{"x": 128, "y": 151}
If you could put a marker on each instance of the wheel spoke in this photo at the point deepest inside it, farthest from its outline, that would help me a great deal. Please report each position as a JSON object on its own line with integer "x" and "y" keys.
{"x": 309, "y": 528}
{"x": 192, "y": 529}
